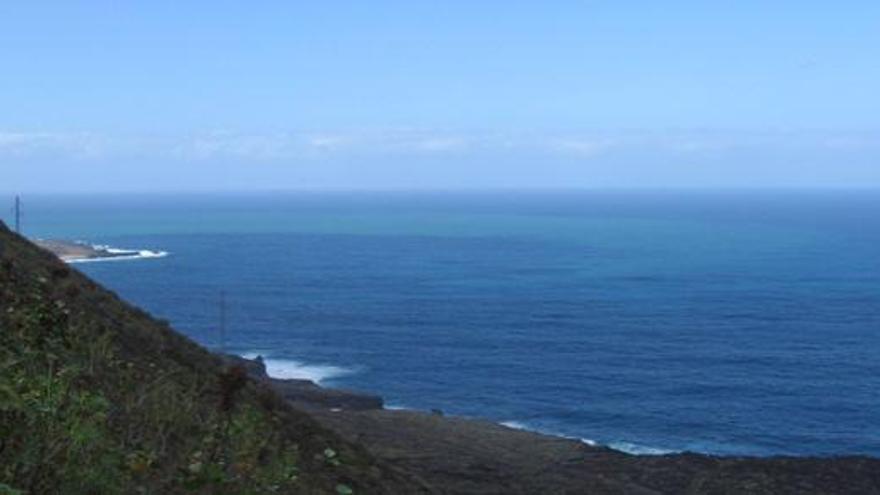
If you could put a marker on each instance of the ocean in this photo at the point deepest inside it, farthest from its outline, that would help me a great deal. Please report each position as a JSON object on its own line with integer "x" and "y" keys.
{"x": 721, "y": 322}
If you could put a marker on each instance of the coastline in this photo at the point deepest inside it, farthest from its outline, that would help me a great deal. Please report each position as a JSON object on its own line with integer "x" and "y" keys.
{"x": 471, "y": 455}
{"x": 305, "y": 383}
{"x": 311, "y": 394}
{"x": 83, "y": 252}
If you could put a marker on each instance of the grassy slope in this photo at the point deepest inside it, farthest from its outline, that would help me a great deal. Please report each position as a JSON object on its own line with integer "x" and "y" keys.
{"x": 98, "y": 397}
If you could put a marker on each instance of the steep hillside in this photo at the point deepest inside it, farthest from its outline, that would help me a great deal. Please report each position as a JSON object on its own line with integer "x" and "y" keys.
{"x": 98, "y": 397}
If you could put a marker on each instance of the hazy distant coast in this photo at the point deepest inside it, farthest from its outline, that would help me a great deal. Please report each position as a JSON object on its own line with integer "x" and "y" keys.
{"x": 78, "y": 251}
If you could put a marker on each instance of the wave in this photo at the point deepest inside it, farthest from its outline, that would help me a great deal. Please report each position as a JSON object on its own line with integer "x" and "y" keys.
{"x": 636, "y": 449}
{"x": 625, "y": 447}
{"x": 117, "y": 254}
{"x": 516, "y": 425}
{"x": 297, "y": 370}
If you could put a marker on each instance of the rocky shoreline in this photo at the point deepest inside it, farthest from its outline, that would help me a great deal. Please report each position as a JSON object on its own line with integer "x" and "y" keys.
{"x": 73, "y": 251}
{"x": 78, "y": 251}
{"x": 460, "y": 455}
{"x": 306, "y": 393}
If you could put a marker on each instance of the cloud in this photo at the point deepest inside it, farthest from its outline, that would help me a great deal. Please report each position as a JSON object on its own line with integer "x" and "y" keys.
{"x": 318, "y": 145}
{"x": 71, "y": 145}
{"x": 231, "y": 145}
{"x": 582, "y": 147}
{"x": 25, "y": 143}
{"x": 328, "y": 141}
{"x": 440, "y": 144}
{"x": 314, "y": 145}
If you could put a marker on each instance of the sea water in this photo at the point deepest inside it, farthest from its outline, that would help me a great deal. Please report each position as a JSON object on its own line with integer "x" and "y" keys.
{"x": 721, "y": 322}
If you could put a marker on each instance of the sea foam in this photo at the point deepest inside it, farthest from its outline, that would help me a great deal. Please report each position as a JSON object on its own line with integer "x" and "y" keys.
{"x": 625, "y": 447}
{"x": 517, "y": 425}
{"x": 636, "y": 449}
{"x": 292, "y": 369}
{"x": 120, "y": 254}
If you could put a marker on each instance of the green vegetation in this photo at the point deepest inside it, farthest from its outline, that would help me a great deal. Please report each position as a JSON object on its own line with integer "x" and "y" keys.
{"x": 96, "y": 397}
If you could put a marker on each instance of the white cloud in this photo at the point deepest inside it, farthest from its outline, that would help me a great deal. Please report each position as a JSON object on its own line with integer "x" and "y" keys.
{"x": 310, "y": 145}
{"x": 22, "y": 143}
{"x": 583, "y": 147}
{"x": 328, "y": 141}
{"x": 76, "y": 145}
{"x": 442, "y": 144}
{"x": 232, "y": 145}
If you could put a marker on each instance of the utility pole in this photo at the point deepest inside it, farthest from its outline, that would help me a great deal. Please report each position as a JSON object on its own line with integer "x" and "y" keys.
{"x": 17, "y": 215}
{"x": 223, "y": 321}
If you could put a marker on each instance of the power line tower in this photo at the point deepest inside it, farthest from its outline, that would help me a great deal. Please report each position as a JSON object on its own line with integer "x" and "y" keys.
{"x": 223, "y": 321}
{"x": 17, "y": 215}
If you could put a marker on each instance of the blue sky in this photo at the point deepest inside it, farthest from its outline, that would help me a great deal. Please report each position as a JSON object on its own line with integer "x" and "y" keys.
{"x": 287, "y": 95}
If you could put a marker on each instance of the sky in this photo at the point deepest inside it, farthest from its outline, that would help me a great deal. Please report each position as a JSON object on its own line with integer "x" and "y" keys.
{"x": 199, "y": 96}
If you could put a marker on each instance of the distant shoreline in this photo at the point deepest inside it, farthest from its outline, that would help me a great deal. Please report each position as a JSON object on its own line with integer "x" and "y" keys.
{"x": 79, "y": 251}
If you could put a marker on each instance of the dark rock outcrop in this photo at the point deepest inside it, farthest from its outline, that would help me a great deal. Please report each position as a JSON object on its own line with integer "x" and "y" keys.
{"x": 255, "y": 368}
{"x": 307, "y": 393}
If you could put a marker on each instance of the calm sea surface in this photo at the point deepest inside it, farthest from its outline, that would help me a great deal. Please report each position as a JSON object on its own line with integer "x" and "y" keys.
{"x": 734, "y": 323}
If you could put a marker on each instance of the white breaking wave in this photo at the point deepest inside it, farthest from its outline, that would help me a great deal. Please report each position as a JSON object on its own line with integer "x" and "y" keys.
{"x": 516, "y": 425}
{"x": 636, "y": 449}
{"x": 288, "y": 368}
{"x": 292, "y": 369}
{"x": 120, "y": 254}
{"x": 253, "y": 355}
{"x": 625, "y": 447}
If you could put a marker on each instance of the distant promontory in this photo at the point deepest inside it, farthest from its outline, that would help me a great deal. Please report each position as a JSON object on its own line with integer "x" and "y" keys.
{"x": 79, "y": 251}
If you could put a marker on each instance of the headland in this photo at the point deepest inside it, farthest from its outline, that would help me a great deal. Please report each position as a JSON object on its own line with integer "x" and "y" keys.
{"x": 79, "y": 251}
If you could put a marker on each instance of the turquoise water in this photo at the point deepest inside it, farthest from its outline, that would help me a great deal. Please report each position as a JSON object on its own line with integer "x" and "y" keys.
{"x": 733, "y": 323}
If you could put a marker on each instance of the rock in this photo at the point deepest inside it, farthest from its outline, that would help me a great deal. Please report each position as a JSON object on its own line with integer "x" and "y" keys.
{"x": 309, "y": 393}
{"x": 306, "y": 392}
{"x": 256, "y": 368}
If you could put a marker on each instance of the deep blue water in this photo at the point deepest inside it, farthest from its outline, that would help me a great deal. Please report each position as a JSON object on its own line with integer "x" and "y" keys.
{"x": 734, "y": 323}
